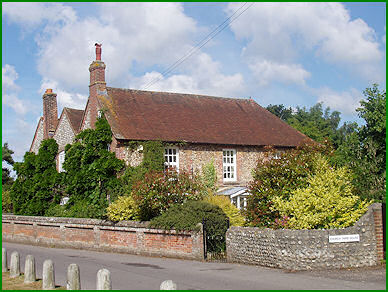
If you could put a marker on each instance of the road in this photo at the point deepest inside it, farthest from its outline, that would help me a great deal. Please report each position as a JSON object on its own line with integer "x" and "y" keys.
{"x": 137, "y": 272}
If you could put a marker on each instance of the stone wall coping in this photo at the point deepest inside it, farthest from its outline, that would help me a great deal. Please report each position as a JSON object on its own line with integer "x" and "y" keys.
{"x": 86, "y": 223}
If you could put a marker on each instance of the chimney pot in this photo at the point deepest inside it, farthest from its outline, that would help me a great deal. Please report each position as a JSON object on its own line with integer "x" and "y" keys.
{"x": 49, "y": 90}
{"x": 98, "y": 51}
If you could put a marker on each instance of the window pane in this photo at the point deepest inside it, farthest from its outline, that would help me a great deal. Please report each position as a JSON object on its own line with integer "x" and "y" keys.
{"x": 174, "y": 158}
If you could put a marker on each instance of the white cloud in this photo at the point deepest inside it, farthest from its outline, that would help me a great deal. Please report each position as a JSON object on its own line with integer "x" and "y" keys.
{"x": 29, "y": 14}
{"x": 64, "y": 98}
{"x": 345, "y": 102}
{"x": 269, "y": 71}
{"x": 205, "y": 77}
{"x": 10, "y": 89}
{"x": 284, "y": 32}
{"x": 129, "y": 32}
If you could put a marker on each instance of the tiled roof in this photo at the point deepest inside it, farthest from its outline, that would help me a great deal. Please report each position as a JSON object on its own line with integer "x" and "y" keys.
{"x": 147, "y": 115}
{"x": 75, "y": 117}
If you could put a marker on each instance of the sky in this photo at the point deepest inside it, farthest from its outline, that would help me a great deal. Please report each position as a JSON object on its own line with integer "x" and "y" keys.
{"x": 295, "y": 54}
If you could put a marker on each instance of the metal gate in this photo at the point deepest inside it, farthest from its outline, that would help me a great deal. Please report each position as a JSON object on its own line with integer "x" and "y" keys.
{"x": 214, "y": 241}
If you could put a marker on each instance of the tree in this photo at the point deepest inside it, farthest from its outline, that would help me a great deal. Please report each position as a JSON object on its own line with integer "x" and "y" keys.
{"x": 326, "y": 202}
{"x": 364, "y": 151}
{"x": 317, "y": 123}
{"x": 279, "y": 177}
{"x": 7, "y": 180}
{"x": 38, "y": 184}
{"x": 91, "y": 171}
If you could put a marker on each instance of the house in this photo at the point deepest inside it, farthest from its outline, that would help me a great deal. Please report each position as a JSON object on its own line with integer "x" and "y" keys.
{"x": 231, "y": 132}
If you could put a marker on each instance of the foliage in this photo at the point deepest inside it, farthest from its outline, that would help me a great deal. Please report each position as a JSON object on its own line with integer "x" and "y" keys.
{"x": 38, "y": 184}
{"x": 6, "y": 153}
{"x": 6, "y": 201}
{"x": 80, "y": 209}
{"x": 364, "y": 151}
{"x": 158, "y": 191}
{"x": 317, "y": 123}
{"x": 278, "y": 177}
{"x": 91, "y": 171}
{"x": 153, "y": 160}
{"x": 122, "y": 209}
{"x": 187, "y": 216}
{"x": 326, "y": 202}
{"x": 234, "y": 214}
{"x": 209, "y": 176}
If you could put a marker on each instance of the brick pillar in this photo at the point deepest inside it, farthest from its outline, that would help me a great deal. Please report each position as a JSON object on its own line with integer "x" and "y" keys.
{"x": 378, "y": 220}
{"x": 97, "y": 84}
{"x": 50, "y": 113}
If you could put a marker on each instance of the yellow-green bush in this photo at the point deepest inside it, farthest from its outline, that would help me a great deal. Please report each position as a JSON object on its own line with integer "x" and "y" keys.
{"x": 234, "y": 215}
{"x": 326, "y": 202}
{"x": 122, "y": 209}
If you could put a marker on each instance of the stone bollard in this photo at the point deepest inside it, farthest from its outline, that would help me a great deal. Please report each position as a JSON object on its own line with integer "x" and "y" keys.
{"x": 15, "y": 265}
{"x": 48, "y": 281}
{"x": 103, "y": 280}
{"x": 73, "y": 278}
{"x": 29, "y": 269}
{"x": 168, "y": 285}
{"x": 4, "y": 260}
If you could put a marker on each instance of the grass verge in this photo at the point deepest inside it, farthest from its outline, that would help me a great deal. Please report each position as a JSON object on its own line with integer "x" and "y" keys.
{"x": 17, "y": 283}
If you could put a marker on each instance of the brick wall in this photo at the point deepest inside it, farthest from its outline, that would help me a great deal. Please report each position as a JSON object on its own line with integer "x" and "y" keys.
{"x": 308, "y": 249}
{"x": 129, "y": 237}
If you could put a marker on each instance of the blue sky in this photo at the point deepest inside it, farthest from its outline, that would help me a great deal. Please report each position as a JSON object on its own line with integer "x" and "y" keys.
{"x": 296, "y": 54}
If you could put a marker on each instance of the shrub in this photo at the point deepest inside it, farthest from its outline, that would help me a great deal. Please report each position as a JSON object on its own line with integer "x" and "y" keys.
{"x": 122, "y": 209}
{"x": 209, "y": 176}
{"x": 188, "y": 215}
{"x": 277, "y": 175}
{"x": 234, "y": 214}
{"x": 91, "y": 171}
{"x": 326, "y": 202}
{"x": 6, "y": 201}
{"x": 38, "y": 184}
{"x": 158, "y": 191}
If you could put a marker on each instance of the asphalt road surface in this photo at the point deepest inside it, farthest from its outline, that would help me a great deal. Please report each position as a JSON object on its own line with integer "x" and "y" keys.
{"x": 138, "y": 272}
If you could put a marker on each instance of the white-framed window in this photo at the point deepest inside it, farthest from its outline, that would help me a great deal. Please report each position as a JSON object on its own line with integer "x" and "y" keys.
{"x": 229, "y": 165}
{"x": 171, "y": 158}
{"x": 61, "y": 160}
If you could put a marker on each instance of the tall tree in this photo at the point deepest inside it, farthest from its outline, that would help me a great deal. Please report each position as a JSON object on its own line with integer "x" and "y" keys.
{"x": 317, "y": 123}
{"x": 365, "y": 149}
{"x": 7, "y": 180}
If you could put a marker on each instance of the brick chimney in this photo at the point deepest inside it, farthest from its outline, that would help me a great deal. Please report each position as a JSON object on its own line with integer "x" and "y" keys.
{"x": 97, "y": 75}
{"x": 50, "y": 113}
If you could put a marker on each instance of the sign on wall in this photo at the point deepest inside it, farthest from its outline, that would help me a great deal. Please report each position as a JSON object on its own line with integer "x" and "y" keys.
{"x": 344, "y": 238}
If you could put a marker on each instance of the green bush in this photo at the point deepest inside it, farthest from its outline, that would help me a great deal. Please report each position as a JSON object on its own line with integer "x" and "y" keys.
{"x": 234, "y": 214}
{"x": 188, "y": 215}
{"x": 122, "y": 209}
{"x": 158, "y": 191}
{"x": 38, "y": 184}
{"x": 6, "y": 201}
{"x": 209, "y": 176}
{"x": 326, "y": 202}
{"x": 277, "y": 175}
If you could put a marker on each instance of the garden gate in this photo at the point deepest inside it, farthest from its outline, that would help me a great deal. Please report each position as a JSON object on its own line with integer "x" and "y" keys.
{"x": 214, "y": 241}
